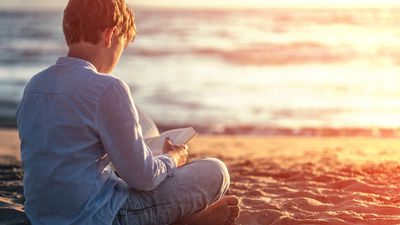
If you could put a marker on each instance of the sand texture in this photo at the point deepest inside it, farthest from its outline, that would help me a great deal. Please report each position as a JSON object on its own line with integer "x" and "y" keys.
{"x": 310, "y": 180}
{"x": 279, "y": 180}
{"x": 11, "y": 190}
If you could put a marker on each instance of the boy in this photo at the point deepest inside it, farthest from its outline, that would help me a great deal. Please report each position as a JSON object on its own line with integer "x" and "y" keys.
{"x": 74, "y": 119}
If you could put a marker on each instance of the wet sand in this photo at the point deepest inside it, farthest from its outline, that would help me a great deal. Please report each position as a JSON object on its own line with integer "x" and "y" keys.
{"x": 279, "y": 180}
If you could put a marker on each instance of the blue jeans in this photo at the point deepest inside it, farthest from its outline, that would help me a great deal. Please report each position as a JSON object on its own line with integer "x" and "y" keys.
{"x": 193, "y": 187}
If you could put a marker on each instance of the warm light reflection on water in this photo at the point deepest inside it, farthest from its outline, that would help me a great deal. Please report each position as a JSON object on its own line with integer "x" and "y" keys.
{"x": 269, "y": 68}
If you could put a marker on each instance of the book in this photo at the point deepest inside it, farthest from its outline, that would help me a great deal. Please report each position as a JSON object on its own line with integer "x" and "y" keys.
{"x": 178, "y": 136}
{"x": 149, "y": 128}
{"x": 155, "y": 141}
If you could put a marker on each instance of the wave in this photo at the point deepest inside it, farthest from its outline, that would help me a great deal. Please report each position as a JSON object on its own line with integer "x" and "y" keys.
{"x": 249, "y": 37}
{"x": 256, "y": 54}
{"x": 256, "y": 130}
{"x": 266, "y": 54}
{"x": 9, "y": 107}
{"x": 213, "y": 57}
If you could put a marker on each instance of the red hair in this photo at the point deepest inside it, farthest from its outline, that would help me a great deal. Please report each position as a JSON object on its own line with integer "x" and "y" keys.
{"x": 84, "y": 20}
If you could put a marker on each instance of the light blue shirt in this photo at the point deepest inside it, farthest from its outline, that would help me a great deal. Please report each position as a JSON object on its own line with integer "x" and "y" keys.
{"x": 74, "y": 121}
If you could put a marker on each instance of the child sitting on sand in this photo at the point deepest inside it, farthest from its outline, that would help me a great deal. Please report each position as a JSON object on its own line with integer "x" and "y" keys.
{"x": 75, "y": 118}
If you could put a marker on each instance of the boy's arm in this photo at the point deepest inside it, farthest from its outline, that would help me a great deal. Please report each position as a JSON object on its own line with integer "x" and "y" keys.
{"x": 121, "y": 136}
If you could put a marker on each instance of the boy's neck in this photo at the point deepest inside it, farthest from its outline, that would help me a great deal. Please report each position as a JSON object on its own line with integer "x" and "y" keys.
{"x": 87, "y": 52}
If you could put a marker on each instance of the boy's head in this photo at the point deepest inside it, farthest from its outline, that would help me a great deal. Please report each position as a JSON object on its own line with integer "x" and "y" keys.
{"x": 84, "y": 20}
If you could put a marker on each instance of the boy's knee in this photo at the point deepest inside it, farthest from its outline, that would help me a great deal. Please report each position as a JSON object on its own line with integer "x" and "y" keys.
{"x": 219, "y": 166}
{"x": 217, "y": 170}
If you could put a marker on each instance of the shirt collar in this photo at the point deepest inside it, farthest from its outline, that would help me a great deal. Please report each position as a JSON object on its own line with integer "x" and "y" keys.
{"x": 76, "y": 61}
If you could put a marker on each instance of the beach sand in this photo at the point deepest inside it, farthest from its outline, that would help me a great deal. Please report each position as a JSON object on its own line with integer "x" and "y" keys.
{"x": 279, "y": 180}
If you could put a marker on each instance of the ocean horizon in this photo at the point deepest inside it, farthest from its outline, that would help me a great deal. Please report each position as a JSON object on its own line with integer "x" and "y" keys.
{"x": 305, "y": 72}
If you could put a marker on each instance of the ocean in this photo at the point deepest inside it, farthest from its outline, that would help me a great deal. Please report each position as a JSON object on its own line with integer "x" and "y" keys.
{"x": 260, "y": 71}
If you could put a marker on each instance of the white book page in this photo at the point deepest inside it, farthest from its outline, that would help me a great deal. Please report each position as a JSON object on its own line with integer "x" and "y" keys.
{"x": 178, "y": 136}
{"x": 149, "y": 129}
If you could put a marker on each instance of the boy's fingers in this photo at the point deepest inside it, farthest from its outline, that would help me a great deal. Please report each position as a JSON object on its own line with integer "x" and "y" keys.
{"x": 168, "y": 139}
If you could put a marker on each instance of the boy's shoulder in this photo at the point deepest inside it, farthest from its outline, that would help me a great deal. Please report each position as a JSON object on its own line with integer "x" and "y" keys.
{"x": 71, "y": 75}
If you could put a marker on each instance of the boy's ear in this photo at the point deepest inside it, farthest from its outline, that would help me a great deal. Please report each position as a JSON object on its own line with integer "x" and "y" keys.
{"x": 108, "y": 35}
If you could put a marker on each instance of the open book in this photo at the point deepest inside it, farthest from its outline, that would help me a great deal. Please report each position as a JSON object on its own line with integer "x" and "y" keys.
{"x": 178, "y": 136}
{"x": 155, "y": 141}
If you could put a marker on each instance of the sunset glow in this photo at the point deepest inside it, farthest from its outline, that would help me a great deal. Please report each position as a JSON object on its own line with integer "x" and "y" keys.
{"x": 335, "y": 68}
{"x": 300, "y": 99}
{"x": 60, "y": 4}
{"x": 263, "y": 3}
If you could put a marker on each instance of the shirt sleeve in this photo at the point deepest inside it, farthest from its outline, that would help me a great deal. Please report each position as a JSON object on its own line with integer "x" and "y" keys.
{"x": 121, "y": 136}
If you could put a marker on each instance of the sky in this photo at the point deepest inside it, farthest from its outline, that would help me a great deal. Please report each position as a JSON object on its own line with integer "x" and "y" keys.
{"x": 268, "y": 3}
{"x": 60, "y": 4}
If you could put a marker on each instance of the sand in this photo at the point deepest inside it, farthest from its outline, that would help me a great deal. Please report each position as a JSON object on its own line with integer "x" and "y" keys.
{"x": 11, "y": 191}
{"x": 279, "y": 180}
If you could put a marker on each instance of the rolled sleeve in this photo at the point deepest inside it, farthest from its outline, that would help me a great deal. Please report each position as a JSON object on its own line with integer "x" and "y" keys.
{"x": 121, "y": 136}
{"x": 170, "y": 162}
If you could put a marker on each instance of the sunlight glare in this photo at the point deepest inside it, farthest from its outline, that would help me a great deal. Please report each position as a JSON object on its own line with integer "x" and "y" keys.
{"x": 263, "y": 3}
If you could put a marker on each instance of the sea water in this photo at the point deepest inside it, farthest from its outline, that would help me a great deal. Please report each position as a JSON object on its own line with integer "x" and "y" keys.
{"x": 275, "y": 71}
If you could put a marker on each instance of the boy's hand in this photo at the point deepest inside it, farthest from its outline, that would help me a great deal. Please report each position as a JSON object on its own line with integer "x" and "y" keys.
{"x": 178, "y": 152}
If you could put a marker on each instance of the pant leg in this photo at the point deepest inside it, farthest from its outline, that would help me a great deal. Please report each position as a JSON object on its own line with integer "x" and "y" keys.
{"x": 194, "y": 186}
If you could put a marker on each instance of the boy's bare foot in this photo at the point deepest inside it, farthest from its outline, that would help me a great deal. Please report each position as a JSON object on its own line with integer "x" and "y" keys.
{"x": 223, "y": 212}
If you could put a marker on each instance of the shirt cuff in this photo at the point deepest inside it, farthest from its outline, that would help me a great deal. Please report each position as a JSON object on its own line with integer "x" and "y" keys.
{"x": 169, "y": 162}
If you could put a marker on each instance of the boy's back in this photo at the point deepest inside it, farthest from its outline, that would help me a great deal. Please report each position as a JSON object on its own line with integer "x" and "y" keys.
{"x": 62, "y": 156}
